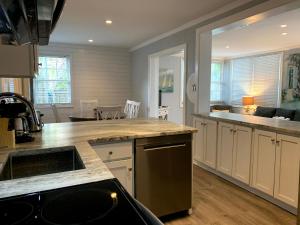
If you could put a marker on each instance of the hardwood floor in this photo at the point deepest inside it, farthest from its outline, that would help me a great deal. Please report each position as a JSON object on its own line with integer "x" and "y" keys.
{"x": 218, "y": 202}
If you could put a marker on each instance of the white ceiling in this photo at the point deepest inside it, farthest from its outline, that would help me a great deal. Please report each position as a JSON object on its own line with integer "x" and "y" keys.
{"x": 134, "y": 21}
{"x": 260, "y": 37}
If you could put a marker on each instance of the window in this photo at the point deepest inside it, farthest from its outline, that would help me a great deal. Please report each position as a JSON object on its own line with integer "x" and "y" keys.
{"x": 53, "y": 83}
{"x": 216, "y": 82}
{"x": 257, "y": 76}
{"x": 16, "y": 85}
{"x": 7, "y": 85}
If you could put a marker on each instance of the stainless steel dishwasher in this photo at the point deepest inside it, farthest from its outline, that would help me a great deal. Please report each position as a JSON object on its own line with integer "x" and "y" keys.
{"x": 163, "y": 173}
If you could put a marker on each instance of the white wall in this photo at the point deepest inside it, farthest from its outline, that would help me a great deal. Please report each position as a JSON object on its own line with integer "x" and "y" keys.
{"x": 172, "y": 100}
{"x": 101, "y": 73}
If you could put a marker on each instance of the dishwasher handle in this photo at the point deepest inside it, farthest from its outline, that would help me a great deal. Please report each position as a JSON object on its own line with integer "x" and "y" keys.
{"x": 165, "y": 147}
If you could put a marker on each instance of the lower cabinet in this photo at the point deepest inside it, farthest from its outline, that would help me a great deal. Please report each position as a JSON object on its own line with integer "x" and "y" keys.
{"x": 276, "y": 165}
{"x": 264, "y": 161}
{"x": 234, "y": 151}
{"x": 241, "y": 160}
{"x": 118, "y": 158}
{"x": 272, "y": 159}
{"x": 287, "y": 169}
{"x": 225, "y": 148}
{"x": 122, "y": 170}
{"x": 205, "y": 142}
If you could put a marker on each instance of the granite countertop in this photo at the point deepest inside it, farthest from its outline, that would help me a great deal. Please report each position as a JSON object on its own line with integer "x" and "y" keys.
{"x": 270, "y": 124}
{"x": 81, "y": 135}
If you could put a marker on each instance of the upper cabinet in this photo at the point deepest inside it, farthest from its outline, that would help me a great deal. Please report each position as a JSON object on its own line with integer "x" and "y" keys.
{"x": 18, "y": 61}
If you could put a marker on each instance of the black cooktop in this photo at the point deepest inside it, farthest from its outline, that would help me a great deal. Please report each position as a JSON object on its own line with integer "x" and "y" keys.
{"x": 104, "y": 202}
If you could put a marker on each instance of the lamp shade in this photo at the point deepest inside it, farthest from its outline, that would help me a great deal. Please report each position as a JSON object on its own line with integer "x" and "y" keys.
{"x": 248, "y": 100}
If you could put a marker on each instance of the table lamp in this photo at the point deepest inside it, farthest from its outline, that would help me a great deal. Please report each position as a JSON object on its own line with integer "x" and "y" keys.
{"x": 248, "y": 101}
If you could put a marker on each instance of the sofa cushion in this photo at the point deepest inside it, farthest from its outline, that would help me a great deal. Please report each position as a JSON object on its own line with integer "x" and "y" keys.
{"x": 297, "y": 115}
{"x": 286, "y": 113}
{"x": 265, "y": 111}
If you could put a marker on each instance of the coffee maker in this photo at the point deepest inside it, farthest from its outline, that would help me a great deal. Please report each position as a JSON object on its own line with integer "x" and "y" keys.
{"x": 17, "y": 114}
{"x": 22, "y": 116}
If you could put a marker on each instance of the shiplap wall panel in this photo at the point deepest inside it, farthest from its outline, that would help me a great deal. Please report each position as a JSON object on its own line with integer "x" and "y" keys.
{"x": 101, "y": 73}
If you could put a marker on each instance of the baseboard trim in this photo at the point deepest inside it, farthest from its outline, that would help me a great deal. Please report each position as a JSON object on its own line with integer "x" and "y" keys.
{"x": 252, "y": 190}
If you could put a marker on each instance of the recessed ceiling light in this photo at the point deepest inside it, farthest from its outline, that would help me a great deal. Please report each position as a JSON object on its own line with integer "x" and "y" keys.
{"x": 283, "y": 25}
{"x": 91, "y": 40}
{"x": 227, "y": 46}
{"x": 284, "y": 34}
{"x": 108, "y": 21}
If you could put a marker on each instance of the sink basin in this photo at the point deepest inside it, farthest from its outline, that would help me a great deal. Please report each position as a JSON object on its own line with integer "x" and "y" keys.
{"x": 41, "y": 162}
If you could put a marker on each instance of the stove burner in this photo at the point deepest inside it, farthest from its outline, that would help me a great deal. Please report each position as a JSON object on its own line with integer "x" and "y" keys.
{"x": 78, "y": 207}
{"x": 15, "y": 213}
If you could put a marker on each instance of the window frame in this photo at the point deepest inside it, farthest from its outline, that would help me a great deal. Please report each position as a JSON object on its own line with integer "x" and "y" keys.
{"x": 221, "y": 83}
{"x": 58, "y": 105}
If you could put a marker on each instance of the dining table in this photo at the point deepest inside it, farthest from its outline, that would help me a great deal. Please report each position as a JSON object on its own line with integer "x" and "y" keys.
{"x": 77, "y": 117}
{"x": 100, "y": 113}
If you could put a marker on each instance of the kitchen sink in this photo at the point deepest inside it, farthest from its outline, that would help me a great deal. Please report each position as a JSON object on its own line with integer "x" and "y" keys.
{"x": 40, "y": 162}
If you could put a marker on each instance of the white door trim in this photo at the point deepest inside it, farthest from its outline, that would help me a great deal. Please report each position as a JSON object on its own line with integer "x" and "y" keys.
{"x": 153, "y": 65}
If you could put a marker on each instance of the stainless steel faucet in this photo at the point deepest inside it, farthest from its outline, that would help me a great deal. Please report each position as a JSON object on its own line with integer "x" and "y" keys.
{"x": 36, "y": 124}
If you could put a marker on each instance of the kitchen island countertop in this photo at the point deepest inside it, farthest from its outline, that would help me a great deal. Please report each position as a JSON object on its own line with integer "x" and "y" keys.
{"x": 82, "y": 135}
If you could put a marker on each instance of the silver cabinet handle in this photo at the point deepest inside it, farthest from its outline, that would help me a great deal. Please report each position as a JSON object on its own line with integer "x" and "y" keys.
{"x": 164, "y": 147}
{"x": 129, "y": 169}
{"x": 277, "y": 143}
{"x": 110, "y": 153}
{"x": 273, "y": 141}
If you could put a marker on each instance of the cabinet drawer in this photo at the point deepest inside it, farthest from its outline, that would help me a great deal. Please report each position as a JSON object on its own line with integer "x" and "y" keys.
{"x": 114, "y": 151}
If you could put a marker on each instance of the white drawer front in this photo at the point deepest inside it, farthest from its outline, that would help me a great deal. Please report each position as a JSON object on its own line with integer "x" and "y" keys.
{"x": 114, "y": 151}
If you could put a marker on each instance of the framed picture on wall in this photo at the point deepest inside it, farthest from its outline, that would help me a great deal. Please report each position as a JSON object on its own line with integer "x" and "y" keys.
{"x": 166, "y": 80}
{"x": 290, "y": 96}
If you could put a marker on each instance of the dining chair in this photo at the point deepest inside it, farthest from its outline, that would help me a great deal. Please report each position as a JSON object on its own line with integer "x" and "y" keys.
{"x": 55, "y": 113}
{"x": 109, "y": 112}
{"x": 131, "y": 109}
{"x": 88, "y": 107}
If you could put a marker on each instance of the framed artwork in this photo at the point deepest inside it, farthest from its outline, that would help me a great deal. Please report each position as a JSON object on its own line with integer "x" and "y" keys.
{"x": 166, "y": 80}
{"x": 290, "y": 96}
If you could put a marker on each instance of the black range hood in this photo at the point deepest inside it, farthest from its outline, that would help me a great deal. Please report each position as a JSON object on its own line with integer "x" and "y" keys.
{"x": 28, "y": 21}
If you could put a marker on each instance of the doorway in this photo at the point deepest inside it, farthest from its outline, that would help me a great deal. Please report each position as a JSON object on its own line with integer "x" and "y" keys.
{"x": 166, "y": 86}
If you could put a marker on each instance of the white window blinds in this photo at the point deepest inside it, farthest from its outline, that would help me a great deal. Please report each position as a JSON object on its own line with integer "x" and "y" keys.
{"x": 257, "y": 76}
{"x": 216, "y": 82}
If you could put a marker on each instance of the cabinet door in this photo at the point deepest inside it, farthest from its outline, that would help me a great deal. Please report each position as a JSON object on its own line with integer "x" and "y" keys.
{"x": 210, "y": 143}
{"x": 225, "y": 148}
{"x": 242, "y": 153}
{"x": 198, "y": 140}
{"x": 22, "y": 56}
{"x": 287, "y": 169}
{"x": 122, "y": 170}
{"x": 264, "y": 161}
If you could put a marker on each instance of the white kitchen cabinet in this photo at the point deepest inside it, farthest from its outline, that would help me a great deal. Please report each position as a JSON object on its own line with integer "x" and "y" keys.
{"x": 234, "y": 151}
{"x": 242, "y": 153}
{"x": 198, "y": 140}
{"x": 225, "y": 148}
{"x": 205, "y": 142}
{"x": 118, "y": 158}
{"x": 122, "y": 170}
{"x": 18, "y": 61}
{"x": 210, "y": 143}
{"x": 264, "y": 161}
{"x": 287, "y": 169}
